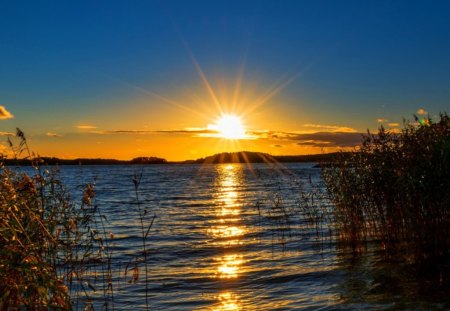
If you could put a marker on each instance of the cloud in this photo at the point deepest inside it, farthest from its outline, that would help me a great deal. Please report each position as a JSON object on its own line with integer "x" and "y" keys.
{"x": 7, "y": 134}
{"x": 50, "y": 134}
{"x": 330, "y": 128}
{"x": 381, "y": 120}
{"x": 5, "y": 114}
{"x": 86, "y": 127}
{"x": 421, "y": 112}
{"x": 199, "y": 131}
{"x": 195, "y": 131}
{"x": 314, "y": 143}
{"x": 336, "y": 136}
{"x": 328, "y": 139}
{"x": 318, "y": 139}
{"x": 393, "y": 124}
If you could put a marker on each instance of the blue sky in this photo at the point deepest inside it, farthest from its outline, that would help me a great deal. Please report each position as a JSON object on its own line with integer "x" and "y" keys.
{"x": 65, "y": 63}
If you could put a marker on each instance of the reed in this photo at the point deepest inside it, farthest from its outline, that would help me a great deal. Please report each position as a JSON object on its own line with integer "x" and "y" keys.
{"x": 296, "y": 208}
{"x": 40, "y": 230}
{"x": 395, "y": 192}
{"x": 145, "y": 231}
{"x": 56, "y": 253}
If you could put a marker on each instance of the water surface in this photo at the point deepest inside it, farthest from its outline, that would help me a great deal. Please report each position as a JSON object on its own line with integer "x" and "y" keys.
{"x": 212, "y": 246}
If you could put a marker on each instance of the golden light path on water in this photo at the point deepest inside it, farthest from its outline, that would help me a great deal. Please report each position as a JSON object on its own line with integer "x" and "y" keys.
{"x": 227, "y": 233}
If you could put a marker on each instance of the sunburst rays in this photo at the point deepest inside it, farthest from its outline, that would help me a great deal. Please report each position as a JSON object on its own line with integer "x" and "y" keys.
{"x": 237, "y": 96}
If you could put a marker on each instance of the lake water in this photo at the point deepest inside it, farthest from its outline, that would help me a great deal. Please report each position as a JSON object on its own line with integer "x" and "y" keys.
{"x": 217, "y": 243}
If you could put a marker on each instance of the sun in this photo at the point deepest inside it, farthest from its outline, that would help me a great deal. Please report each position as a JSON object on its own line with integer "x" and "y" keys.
{"x": 229, "y": 127}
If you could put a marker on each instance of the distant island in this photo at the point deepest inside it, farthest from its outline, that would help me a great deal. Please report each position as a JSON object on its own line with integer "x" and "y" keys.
{"x": 259, "y": 157}
{"x": 224, "y": 157}
{"x": 85, "y": 161}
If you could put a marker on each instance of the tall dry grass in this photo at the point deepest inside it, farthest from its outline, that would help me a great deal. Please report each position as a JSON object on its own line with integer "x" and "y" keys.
{"x": 395, "y": 191}
{"x": 44, "y": 237}
{"x": 55, "y": 253}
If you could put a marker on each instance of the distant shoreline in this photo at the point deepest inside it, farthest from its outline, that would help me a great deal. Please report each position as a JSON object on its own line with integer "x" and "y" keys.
{"x": 234, "y": 157}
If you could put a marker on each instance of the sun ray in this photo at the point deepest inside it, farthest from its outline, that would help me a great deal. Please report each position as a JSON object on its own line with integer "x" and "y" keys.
{"x": 237, "y": 87}
{"x": 202, "y": 75}
{"x": 156, "y": 95}
{"x": 196, "y": 65}
{"x": 270, "y": 93}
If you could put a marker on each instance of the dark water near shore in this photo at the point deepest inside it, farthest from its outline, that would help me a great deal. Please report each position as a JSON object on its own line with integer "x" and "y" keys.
{"x": 211, "y": 248}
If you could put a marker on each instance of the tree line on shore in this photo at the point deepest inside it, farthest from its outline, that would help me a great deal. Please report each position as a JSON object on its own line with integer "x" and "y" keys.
{"x": 224, "y": 157}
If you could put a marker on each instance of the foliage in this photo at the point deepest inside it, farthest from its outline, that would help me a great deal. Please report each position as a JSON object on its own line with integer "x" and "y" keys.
{"x": 55, "y": 253}
{"x": 32, "y": 223}
{"x": 395, "y": 191}
{"x": 46, "y": 240}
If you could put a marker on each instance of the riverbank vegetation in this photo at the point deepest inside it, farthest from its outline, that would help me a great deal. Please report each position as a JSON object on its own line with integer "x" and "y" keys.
{"x": 394, "y": 192}
{"x": 48, "y": 242}
{"x": 55, "y": 252}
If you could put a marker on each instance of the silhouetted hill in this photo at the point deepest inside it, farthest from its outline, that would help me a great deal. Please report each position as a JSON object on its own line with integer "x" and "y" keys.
{"x": 238, "y": 157}
{"x": 225, "y": 157}
{"x": 85, "y": 161}
{"x": 258, "y": 157}
{"x": 148, "y": 160}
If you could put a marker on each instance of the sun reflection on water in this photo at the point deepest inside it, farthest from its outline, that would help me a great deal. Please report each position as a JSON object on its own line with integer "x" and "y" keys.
{"x": 228, "y": 231}
{"x": 228, "y": 302}
{"x": 229, "y": 266}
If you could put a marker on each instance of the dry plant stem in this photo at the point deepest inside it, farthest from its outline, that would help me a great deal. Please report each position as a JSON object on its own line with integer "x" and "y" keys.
{"x": 395, "y": 192}
{"x": 104, "y": 249}
{"x": 32, "y": 216}
{"x": 136, "y": 181}
{"x": 47, "y": 241}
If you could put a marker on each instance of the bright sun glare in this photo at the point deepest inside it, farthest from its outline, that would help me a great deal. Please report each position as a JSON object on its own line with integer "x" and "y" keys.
{"x": 230, "y": 127}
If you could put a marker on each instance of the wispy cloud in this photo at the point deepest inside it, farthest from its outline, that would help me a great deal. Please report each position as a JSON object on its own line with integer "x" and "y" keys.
{"x": 194, "y": 132}
{"x": 393, "y": 124}
{"x": 316, "y": 139}
{"x": 315, "y": 143}
{"x": 330, "y": 128}
{"x": 421, "y": 112}
{"x": 329, "y": 139}
{"x": 382, "y": 120}
{"x": 86, "y": 127}
{"x": 333, "y": 136}
{"x": 5, "y": 114}
{"x": 191, "y": 131}
{"x": 51, "y": 134}
{"x": 7, "y": 134}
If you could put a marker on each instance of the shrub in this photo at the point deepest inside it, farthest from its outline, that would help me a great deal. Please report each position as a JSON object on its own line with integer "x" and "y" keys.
{"x": 45, "y": 239}
{"x": 54, "y": 253}
{"x": 395, "y": 191}
{"x": 31, "y": 229}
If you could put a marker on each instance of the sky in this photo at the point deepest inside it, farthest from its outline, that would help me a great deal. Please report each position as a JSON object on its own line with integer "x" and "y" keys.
{"x": 122, "y": 79}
